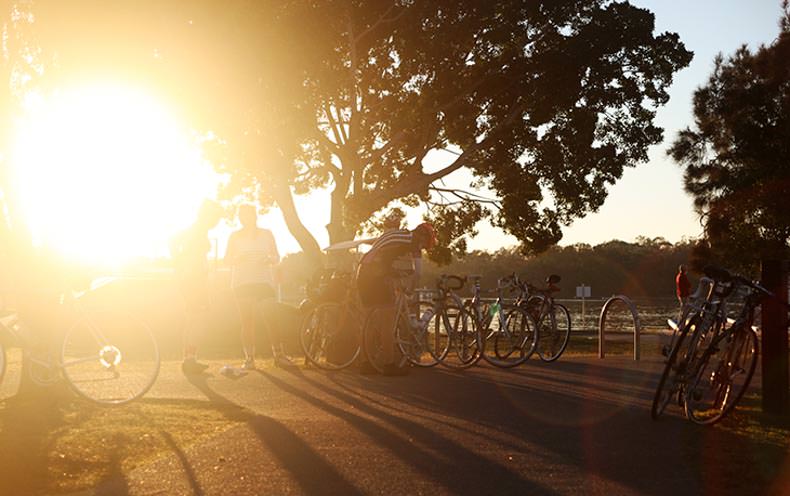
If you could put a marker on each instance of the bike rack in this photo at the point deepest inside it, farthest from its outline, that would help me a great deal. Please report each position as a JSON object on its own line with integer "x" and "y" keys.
{"x": 602, "y": 324}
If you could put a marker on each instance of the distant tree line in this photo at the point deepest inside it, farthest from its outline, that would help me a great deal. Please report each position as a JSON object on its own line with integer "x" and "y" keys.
{"x": 645, "y": 268}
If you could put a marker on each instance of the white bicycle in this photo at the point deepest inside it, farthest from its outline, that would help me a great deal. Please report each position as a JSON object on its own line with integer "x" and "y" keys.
{"x": 108, "y": 357}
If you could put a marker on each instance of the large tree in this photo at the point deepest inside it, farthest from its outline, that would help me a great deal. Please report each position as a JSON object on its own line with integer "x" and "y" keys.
{"x": 545, "y": 103}
{"x": 531, "y": 97}
{"x": 736, "y": 158}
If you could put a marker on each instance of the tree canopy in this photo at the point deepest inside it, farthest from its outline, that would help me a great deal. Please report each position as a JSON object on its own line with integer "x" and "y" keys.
{"x": 737, "y": 156}
{"x": 545, "y": 103}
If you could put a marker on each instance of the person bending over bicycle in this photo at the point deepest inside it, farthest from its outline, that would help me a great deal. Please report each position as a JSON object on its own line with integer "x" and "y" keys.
{"x": 376, "y": 279}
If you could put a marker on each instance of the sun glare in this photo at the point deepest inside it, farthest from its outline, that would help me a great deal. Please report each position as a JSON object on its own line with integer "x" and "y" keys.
{"x": 105, "y": 173}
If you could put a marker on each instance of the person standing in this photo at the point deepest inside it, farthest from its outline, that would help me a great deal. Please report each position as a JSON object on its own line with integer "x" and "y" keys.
{"x": 188, "y": 250}
{"x": 682, "y": 288}
{"x": 376, "y": 282}
{"x": 252, "y": 254}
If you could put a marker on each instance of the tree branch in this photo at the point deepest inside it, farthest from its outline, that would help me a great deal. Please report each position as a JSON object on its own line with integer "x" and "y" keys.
{"x": 467, "y": 195}
{"x": 333, "y": 125}
{"x": 381, "y": 20}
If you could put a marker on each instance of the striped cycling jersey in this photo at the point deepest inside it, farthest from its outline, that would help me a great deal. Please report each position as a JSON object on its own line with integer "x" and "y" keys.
{"x": 388, "y": 247}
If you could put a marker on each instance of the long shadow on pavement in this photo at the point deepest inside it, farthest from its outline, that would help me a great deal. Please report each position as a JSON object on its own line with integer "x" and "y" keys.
{"x": 313, "y": 474}
{"x": 460, "y": 471}
{"x": 601, "y": 441}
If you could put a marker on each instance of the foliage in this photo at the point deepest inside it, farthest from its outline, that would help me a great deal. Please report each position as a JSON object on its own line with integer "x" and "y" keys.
{"x": 532, "y": 98}
{"x": 544, "y": 103}
{"x": 645, "y": 268}
{"x": 737, "y": 158}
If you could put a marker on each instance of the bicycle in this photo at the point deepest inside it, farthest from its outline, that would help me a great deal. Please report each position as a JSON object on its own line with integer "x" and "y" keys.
{"x": 553, "y": 319}
{"x": 107, "y": 357}
{"x": 514, "y": 338}
{"x": 703, "y": 322}
{"x": 413, "y": 337}
{"x": 330, "y": 334}
{"x": 456, "y": 340}
{"x": 727, "y": 365}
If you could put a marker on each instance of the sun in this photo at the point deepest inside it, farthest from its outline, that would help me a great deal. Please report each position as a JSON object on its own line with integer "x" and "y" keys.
{"x": 105, "y": 173}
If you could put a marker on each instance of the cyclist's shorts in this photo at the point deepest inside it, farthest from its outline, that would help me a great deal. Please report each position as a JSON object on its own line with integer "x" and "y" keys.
{"x": 260, "y": 291}
{"x": 374, "y": 289}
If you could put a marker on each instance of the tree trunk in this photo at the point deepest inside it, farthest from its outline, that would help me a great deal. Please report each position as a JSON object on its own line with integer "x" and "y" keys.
{"x": 775, "y": 370}
{"x": 282, "y": 195}
{"x": 337, "y": 228}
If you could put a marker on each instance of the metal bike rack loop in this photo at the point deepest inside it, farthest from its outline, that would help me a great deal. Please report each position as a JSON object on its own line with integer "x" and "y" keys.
{"x": 602, "y": 324}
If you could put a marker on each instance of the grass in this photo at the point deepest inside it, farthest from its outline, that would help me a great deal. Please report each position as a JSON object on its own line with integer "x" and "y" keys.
{"x": 56, "y": 444}
{"x": 748, "y": 420}
{"x": 616, "y": 344}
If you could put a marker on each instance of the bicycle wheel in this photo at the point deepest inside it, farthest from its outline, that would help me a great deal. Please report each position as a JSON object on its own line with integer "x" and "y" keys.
{"x": 554, "y": 331}
{"x": 533, "y": 306}
{"x": 512, "y": 344}
{"x": 724, "y": 373}
{"x": 415, "y": 339}
{"x": 463, "y": 351}
{"x": 669, "y": 384}
{"x": 110, "y": 358}
{"x": 377, "y": 323}
{"x": 437, "y": 333}
{"x": 329, "y": 337}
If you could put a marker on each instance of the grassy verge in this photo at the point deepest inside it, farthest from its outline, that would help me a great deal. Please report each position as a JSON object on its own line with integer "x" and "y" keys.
{"x": 620, "y": 344}
{"x": 56, "y": 444}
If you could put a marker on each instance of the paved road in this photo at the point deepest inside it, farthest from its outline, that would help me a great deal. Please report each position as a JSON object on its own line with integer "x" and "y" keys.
{"x": 579, "y": 426}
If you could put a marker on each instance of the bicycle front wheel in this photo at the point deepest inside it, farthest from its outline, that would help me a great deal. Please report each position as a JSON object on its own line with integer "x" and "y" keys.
{"x": 110, "y": 358}
{"x": 554, "y": 333}
{"x": 330, "y": 337}
{"x": 672, "y": 377}
{"x": 724, "y": 373}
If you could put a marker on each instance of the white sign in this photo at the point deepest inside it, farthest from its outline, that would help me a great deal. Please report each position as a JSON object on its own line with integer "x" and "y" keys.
{"x": 583, "y": 291}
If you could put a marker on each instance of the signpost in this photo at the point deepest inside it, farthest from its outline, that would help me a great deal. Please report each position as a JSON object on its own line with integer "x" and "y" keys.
{"x": 583, "y": 292}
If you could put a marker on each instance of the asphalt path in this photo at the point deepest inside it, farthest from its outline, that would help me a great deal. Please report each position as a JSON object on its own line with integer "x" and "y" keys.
{"x": 577, "y": 426}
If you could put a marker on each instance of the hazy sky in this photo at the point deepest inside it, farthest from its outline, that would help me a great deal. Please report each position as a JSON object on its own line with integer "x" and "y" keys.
{"x": 649, "y": 200}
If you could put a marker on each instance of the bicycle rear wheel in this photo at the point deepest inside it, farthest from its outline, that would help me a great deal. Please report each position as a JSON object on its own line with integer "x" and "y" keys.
{"x": 513, "y": 344}
{"x": 329, "y": 337}
{"x": 110, "y": 358}
{"x": 724, "y": 373}
{"x": 463, "y": 351}
{"x": 437, "y": 334}
{"x": 377, "y": 324}
{"x": 416, "y": 339}
{"x": 553, "y": 333}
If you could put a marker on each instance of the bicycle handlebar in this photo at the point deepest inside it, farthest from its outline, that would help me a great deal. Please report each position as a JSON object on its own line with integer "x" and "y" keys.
{"x": 721, "y": 274}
